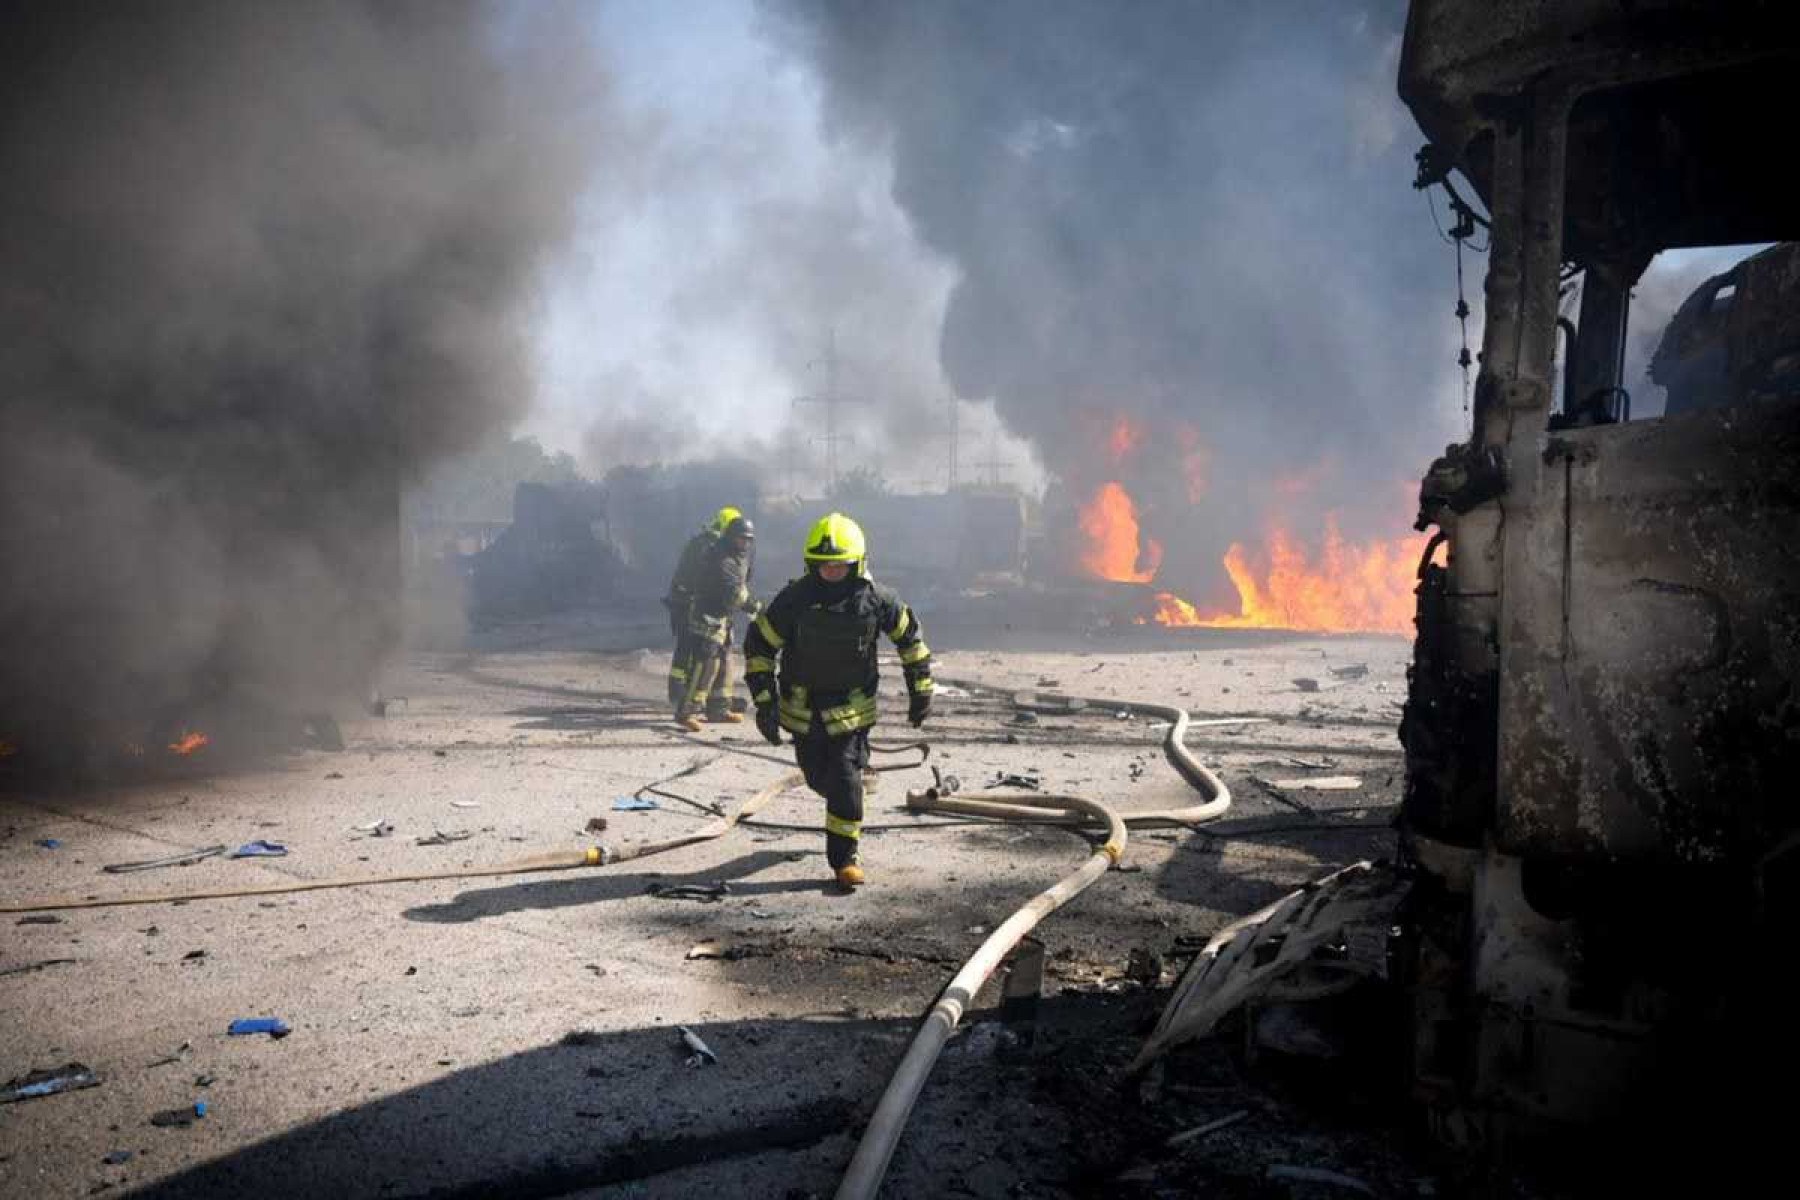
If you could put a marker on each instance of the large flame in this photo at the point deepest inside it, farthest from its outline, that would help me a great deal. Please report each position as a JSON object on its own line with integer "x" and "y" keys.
{"x": 1364, "y": 588}
{"x": 1113, "y": 552}
{"x": 187, "y": 743}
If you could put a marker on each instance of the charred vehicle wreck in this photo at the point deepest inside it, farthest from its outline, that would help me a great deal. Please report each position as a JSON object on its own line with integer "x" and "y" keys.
{"x": 1594, "y": 906}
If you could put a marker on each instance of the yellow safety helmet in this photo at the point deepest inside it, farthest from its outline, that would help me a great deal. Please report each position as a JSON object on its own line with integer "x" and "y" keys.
{"x": 724, "y": 518}
{"x": 835, "y": 538}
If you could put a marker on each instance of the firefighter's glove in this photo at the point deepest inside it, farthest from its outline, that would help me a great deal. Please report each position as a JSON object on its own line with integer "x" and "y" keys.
{"x": 768, "y": 724}
{"x": 918, "y": 708}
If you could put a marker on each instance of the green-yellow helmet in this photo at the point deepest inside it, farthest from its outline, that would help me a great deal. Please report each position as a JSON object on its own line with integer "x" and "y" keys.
{"x": 835, "y": 538}
{"x": 725, "y": 517}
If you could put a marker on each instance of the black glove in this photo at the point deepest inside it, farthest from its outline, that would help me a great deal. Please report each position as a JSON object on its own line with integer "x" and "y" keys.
{"x": 918, "y": 708}
{"x": 768, "y": 724}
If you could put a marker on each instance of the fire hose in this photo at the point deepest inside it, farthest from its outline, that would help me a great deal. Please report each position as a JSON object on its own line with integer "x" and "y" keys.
{"x": 882, "y": 1134}
{"x": 591, "y": 856}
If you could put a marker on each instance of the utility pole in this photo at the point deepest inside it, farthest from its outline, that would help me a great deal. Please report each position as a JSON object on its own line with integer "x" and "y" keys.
{"x": 829, "y": 400}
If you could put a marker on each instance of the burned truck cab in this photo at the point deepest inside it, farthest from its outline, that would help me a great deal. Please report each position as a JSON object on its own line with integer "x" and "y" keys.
{"x": 1602, "y": 729}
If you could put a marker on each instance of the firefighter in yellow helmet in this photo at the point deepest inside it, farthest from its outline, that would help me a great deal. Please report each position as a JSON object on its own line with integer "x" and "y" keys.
{"x": 820, "y": 631}
{"x": 690, "y": 570}
{"x": 721, "y": 590}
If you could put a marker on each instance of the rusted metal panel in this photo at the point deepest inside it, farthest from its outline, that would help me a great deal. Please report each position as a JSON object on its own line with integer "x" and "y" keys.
{"x": 1650, "y": 697}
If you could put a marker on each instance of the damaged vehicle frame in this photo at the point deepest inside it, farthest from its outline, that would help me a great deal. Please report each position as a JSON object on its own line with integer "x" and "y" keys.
{"x": 1603, "y": 722}
{"x": 1591, "y": 919}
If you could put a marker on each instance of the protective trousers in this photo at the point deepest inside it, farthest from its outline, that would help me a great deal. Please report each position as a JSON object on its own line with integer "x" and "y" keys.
{"x": 711, "y": 679}
{"x": 681, "y": 666}
{"x": 834, "y": 768}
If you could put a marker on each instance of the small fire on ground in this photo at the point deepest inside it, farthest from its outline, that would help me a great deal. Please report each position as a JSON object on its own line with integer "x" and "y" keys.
{"x": 187, "y": 743}
{"x": 1346, "y": 588}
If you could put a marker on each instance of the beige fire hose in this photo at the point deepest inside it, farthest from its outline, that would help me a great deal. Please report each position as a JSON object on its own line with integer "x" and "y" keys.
{"x": 876, "y": 1148}
{"x": 592, "y": 856}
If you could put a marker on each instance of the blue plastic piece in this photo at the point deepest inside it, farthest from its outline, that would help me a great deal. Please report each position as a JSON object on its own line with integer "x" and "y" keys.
{"x": 50, "y": 843}
{"x": 199, "y": 1108}
{"x": 260, "y": 849}
{"x": 273, "y": 1026}
{"x": 633, "y": 803}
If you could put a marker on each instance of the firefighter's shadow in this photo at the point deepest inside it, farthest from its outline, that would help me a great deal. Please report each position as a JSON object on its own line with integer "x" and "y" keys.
{"x": 606, "y": 886}
{"x": 585, "y": 718}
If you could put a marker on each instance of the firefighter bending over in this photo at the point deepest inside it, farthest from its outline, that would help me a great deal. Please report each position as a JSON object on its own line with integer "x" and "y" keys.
{"x": 821, "y": 629}
{"x": 720, "y": 589}
{"x": 680, "y": 599}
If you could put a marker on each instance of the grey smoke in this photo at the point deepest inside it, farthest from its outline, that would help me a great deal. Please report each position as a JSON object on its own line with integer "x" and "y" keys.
{"x": 1196, "y": 214}
{"x": 259, "y": 265}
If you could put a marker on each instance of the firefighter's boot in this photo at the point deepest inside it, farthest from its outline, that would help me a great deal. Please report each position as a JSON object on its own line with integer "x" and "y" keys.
{"x": 688, "y": 721}
{"x": 851, "y": 877}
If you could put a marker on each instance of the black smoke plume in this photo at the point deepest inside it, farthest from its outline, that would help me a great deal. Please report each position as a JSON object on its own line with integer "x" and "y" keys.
{"x": 1196, "y": 215}
{"x": 259, "y": 264}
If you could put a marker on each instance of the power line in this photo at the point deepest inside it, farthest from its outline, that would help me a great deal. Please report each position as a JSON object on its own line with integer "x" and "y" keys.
{"x": 830, "y": 400}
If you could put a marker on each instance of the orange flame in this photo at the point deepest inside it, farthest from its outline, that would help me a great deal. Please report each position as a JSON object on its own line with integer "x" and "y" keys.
{"x": 1113, "y": 552}
{"x": 1353, "y": 588}
{"x": 187, "y": 743}
{"x": 7, "y": 749}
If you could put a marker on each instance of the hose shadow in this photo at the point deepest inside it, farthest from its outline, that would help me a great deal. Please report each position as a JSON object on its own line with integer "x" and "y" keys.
{"x": 599, "y": 888}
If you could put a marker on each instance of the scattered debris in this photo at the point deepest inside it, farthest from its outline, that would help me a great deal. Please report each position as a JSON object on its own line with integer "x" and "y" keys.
{"x": 595, "y": 825}
{"x": 117, "y": 1158}
{"x": 1306, "y": 685}
{"x": 598, "y": 970}
{"x": 633, "y": 803}
{"x": 40, "y": 919}
{"x": 1200, "y": 1131}
{"x": 50, "y": 843}
{"x": 761, "y": 914}
{"x": 69, "y": 1077}
{"x": 193, "y": 956}
{"x": 1029, "y": 782}
{"x": 442, "y": 837}
{"x": 1124, "y": 714}
{"x": 702, "y": 1054}
{"x": 1353, "y": 671}
{"x": 275, "y": 1027}
{"x": 1144, "y": 966}
{"x": 1023, "y": 718}
{"x": 1047, "y": 682}
{"x": 1318, "y": 1175}
{"x": 205, "y": 1080}
{"x": 168, "y": 1060}
{"x": 944, "y": 689}
{"x": 28, "y": 968}
{"x": 185, "y": 858}
{"x": 465, "y": 804}
{"x": 584, "y": 1037}
{"x": 706, "y": 893}
{"x": 260, "y": 849}
{"x": 175, "y": 1118}
{"x": 376, "y": 828}
{"x": 334, "y": 774}
{"x": 1317, "y": 783}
